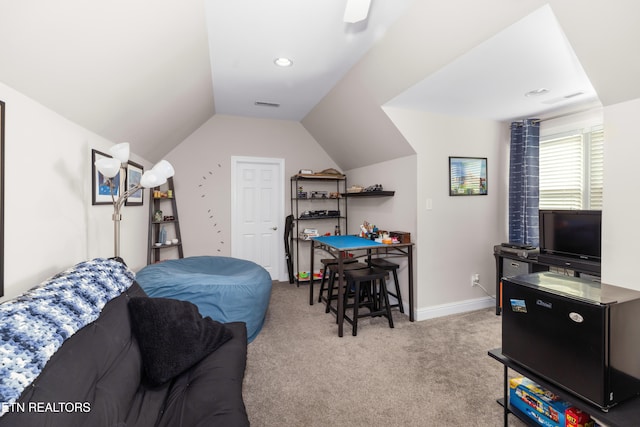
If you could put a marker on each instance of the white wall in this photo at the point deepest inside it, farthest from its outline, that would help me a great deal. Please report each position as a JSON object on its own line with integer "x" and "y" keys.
{"x": 570, "y": 123}
{"x": 397, "y": 213}
{"x": 203, "y": 173}
{"x": 620, "y": 231}
{"x": 455, "y": 237}
{"x": 50, "y": 223}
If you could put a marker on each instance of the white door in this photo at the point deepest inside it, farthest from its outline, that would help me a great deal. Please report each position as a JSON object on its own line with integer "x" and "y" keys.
{"x": 257, "y": 212}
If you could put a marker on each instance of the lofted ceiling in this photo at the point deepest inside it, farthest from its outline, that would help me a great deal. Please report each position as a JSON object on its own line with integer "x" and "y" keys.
{"x": 527, "y": 69}
{"x": 152, "y": 72}
{"x": 246, "y": 36}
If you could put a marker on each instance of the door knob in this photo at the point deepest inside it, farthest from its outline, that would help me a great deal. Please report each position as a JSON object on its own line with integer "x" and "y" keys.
{"x": 274, "y": 228}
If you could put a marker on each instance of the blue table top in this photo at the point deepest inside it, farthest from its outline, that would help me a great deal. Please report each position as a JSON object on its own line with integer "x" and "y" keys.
{"x": 345, "y": 243}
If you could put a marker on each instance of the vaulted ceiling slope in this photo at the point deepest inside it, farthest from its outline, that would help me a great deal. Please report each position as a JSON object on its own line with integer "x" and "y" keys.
{"x": 128, "y": 70}
{"x": 141, "y": 70}
{"x": 433, "y": 34}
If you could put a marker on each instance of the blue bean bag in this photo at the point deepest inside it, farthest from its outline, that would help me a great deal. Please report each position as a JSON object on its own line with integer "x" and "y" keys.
{"x": 225, "y": 289}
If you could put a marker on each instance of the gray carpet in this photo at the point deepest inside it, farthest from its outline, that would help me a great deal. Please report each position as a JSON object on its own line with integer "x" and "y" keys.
{"x": 429, "y": 373}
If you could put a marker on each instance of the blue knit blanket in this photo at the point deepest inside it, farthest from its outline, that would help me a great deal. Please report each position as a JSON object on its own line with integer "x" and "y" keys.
{"x": 34, "y": 325}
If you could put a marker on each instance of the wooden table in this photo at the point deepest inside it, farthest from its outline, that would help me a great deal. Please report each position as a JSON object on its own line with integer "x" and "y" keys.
{"x": 340, "y": 246}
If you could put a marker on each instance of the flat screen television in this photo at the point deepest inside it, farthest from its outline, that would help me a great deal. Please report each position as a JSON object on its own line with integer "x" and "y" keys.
{"x": 571, "y": 233}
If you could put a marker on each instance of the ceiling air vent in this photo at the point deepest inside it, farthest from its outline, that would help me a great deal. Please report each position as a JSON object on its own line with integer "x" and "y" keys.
{"x": 266, "y": 104}
{"x": 563, "y": 98}
{"x": 572, "y": 95}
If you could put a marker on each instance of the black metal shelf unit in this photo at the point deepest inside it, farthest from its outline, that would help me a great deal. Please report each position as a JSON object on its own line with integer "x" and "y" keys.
{"x": 317, "y": 202}
{"x": 624, "y": 414}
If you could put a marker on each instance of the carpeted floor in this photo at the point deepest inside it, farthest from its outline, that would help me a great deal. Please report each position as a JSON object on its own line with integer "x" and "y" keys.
{"x": 429, "y": 373}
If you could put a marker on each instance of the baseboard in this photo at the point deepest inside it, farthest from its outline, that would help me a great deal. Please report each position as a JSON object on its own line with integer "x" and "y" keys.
{"x": 454, "y": 308}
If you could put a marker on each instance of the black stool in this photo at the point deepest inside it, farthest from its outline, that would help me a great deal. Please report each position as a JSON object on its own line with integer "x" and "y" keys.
{"x": 393, "y": 268}
{"x": 329, "y": 262}
{"x": 379, "y": 299}
{"x": 333, "y": 275}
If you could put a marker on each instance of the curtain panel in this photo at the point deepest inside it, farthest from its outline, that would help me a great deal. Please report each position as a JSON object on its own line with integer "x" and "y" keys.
{"x": 524, "y": 182}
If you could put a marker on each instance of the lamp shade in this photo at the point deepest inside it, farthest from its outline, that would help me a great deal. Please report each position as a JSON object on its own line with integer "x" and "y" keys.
{"x": 108, "y": 167}
{"x": 356, "y": 11}
{"x": 152, "y": 179}
{"x": 120, "y": 152}
{"x": 164, "y": 168}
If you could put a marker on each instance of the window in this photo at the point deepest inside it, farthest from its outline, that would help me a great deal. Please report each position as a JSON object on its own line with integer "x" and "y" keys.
{"x": 571, "y": 170}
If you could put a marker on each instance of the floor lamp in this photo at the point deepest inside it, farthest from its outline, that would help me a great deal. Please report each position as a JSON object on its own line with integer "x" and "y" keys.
{"x": 109, "y": 168}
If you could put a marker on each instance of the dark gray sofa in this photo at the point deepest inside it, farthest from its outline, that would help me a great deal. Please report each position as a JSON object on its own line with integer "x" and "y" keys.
{"x": 97, "y": 378}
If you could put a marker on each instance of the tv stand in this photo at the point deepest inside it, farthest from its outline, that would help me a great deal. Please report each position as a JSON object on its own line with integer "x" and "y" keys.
{"x": 574, "y": 264}
{"x": 510, "y": 264}
{"x": 624, "y": 414}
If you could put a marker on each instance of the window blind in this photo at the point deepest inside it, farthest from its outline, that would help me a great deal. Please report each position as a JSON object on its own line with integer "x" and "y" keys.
{"x": 571, "y": 170}
{"x": 561, "y": 172}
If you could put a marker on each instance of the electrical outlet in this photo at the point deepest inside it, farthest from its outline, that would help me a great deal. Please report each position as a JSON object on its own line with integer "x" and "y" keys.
{"x": 475, "y": 279}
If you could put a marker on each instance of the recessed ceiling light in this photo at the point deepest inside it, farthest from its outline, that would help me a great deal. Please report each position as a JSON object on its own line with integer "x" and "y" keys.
{"x": 537, "y": 92}
{"x": 283, "y": 62}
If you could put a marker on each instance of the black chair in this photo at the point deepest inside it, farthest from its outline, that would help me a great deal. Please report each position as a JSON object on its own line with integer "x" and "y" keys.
{"x": 332, "y": 290}
{"x": 327, "y": 262}
{"x": 376, "y": 291}
{"x": 288, "y": 239}
{"x": 393, "y": 268}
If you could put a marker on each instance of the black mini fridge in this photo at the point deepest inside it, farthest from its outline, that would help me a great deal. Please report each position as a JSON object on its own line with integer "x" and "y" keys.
{"x": 580, "y": 335}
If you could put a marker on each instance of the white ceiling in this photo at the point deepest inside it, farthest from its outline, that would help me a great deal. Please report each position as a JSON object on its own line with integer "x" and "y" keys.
{"x": 246, "y": 36}
{"x": 493, "y": 80}
{"x": 128, "y": 70}
{"x": 152, "y": 72}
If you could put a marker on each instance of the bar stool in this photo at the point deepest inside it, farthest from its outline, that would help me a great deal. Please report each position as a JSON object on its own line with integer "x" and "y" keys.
{"x": 378, "y": 303}
{"x": 393, "y": 268}
{"x": 333, "y": 276}
{"x": 329, "y": 262}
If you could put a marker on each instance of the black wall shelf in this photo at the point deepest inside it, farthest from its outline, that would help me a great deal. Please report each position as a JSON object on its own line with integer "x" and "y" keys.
{"x": 370, "y": 194}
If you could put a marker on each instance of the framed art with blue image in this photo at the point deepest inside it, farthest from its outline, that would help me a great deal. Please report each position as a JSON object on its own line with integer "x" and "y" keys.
{"x": 468, "y": 176}
{"x": 101, "y": 187}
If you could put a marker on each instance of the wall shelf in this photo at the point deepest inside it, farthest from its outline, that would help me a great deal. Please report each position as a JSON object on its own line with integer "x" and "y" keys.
{"x": 370, "y": 194}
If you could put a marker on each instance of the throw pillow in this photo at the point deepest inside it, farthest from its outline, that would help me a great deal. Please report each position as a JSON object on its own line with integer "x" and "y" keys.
{"x": 173, "y": 336}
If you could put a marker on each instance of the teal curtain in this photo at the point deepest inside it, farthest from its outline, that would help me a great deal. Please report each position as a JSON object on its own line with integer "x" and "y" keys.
{"x": 524, "y": 182}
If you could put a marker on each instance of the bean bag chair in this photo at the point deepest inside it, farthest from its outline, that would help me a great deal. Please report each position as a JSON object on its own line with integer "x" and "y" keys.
{"x": 223, "y": 288}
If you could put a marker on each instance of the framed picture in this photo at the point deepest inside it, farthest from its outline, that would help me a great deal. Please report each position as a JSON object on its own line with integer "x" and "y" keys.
{"x": 467, "y": 176}
{"x": 134, "y": 173}
{"x": 102, "y": 187}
